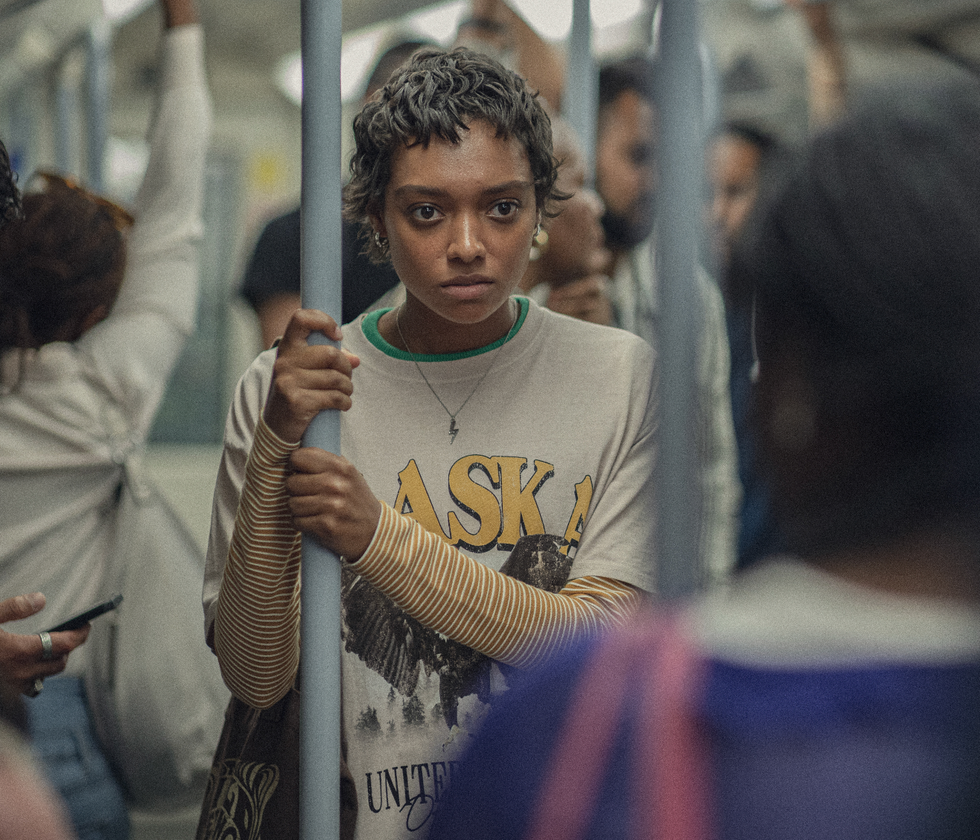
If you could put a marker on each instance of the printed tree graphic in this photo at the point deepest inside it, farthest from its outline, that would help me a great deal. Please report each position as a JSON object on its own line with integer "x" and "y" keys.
{"x": 368, "y": 721}
{"x": 413, "y": 711}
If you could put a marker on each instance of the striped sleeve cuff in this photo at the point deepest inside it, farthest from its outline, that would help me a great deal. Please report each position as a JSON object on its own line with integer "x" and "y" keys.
{"x": 506, "y": 619}
{"x": 257, "y": 620}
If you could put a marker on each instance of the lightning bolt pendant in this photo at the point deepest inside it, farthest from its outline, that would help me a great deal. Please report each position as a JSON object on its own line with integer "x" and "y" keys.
{"x": 453, "y": 430}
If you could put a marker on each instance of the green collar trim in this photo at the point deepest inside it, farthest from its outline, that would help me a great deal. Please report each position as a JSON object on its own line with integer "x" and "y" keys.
{"x": 370, "y": 326}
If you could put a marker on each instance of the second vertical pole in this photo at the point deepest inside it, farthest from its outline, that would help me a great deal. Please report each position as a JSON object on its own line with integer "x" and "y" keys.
{"x": 320, "y": 722}
{"x": 681, "y": 165}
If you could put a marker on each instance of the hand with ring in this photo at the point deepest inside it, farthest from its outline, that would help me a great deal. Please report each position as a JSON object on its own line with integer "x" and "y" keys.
{"x": 27, "y": 659}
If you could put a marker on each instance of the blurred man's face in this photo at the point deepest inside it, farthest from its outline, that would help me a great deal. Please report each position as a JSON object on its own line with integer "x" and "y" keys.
{"x": 733, "y": 170}
{"x": 626, "y": 173}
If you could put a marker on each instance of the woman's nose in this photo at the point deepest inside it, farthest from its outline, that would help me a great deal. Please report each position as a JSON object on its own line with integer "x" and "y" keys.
{"x": 466, "y": 243}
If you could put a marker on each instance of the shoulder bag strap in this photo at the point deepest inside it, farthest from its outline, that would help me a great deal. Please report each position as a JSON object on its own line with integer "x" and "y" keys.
{"x": 671, "y": 795}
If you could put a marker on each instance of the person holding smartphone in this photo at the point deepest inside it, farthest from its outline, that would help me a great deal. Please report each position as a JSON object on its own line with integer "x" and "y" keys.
{"x": 27, "y": 659}
{"x": 95, "y": 307}
{"x": 23, "y": 660}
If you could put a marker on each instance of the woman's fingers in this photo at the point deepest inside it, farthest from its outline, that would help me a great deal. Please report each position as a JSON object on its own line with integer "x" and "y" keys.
{"x": 330, "y": 499}
{"x": 308, "y": 378}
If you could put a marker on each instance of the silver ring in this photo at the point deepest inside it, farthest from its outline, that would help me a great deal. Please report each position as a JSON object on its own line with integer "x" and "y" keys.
{"x": 35, "y": 689}
{"x": 46, "y": 647}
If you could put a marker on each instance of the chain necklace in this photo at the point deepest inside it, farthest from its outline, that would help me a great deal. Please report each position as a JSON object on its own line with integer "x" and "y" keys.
{"x": 453, "y": 426}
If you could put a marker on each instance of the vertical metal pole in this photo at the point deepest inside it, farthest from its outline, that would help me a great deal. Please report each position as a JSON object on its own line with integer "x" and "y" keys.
{"x": 681, "y": 166}
{"x": 321, "y": 260}
{"x": 579, "y": 101}
{"x": 98, "y": 93}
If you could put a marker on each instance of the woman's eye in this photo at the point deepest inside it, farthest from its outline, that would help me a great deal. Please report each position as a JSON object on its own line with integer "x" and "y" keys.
{"x": 504, "y": 208}
{"x": 425, "y": 212}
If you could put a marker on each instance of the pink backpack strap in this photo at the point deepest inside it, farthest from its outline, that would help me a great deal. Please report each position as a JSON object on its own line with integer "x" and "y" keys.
{"x": 673, "y": 798}
{"x": 671, "y": 781}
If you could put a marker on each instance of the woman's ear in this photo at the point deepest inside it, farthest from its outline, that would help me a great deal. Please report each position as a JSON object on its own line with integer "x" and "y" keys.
{"x": 378, "y": 224}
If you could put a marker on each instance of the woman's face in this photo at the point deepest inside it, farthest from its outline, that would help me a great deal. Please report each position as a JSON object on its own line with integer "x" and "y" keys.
{"x": 459, "y": 219}
{"x": 576, "y": 243}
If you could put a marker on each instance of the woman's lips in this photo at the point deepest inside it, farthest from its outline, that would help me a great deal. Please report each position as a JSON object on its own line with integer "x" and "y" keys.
{"x": 467, "y": 288}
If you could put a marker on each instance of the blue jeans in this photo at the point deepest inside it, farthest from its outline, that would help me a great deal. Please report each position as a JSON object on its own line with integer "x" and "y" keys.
{"x": 64, "y": 741}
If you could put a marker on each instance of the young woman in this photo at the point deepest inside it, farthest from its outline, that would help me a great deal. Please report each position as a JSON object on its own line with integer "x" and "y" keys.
{"x": 492, "y": 499}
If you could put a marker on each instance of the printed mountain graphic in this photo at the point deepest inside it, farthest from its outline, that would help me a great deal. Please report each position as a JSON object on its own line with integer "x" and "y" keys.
{"x": 395, "y": 645}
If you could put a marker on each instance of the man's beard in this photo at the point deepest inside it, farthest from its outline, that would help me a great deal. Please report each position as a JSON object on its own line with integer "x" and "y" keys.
{"x": 623, "y": 233}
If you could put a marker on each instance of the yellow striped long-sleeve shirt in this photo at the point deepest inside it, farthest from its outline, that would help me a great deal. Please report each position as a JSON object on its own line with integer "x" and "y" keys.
{"x": 256, "y": 632}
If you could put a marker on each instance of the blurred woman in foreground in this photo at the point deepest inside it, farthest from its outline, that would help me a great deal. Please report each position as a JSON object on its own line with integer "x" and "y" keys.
{"x": 837, "y": 691}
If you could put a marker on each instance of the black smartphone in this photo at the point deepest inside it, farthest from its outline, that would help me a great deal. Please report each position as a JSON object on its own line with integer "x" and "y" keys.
{"x": 84, "y": 618}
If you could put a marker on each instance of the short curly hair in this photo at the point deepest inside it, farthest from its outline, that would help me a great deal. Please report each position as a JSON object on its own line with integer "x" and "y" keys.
{"x": 438, "y": 93}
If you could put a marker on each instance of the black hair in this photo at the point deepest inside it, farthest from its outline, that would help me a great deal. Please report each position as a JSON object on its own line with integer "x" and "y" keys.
{"x": 766, "y": 142}
{"x": 865, "y": 273}
{"x": 9, "y": 194}
{"x": 639, "y": 74}
{"x": 438, "y": 93}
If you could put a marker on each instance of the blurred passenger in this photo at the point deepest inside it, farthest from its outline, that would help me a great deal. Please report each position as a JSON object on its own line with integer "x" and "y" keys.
{"x": 816, "y": 53}
{"x": 31, "y": 810}
{"x": 272, "y": 279}
{"x": 22, "y": 664}
{"x": 94, "y": 312}
{"x": 495, "y": 28}
{"x": 627, "y": 136}
{"x": 839, "y": 693}
{"x": 566, "y": 272}
{"x": 743, "y": 163}
{"x": 741, "y": 160}
{"x": 826, "y": 61}
{"x": 627, "y": 180}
